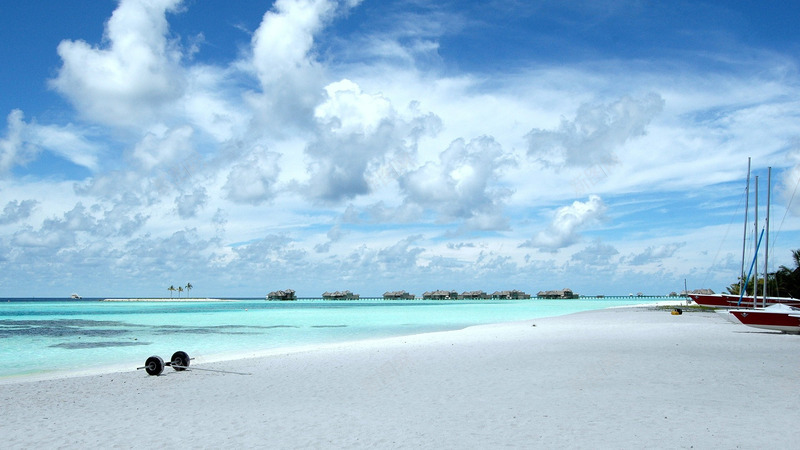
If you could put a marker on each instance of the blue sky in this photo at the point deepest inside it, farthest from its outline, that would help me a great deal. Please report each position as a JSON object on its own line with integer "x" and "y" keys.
{"x": 319, "y": 145}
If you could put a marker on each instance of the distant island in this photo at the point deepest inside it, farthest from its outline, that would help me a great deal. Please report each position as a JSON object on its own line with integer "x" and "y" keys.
{"x": 174, "y": 300}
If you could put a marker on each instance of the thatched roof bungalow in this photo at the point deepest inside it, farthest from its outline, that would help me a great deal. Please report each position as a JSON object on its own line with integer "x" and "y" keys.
{"x": 398, "y": 295}
{"x": 510, "y": 295}
{"x": 343, "y": 295}
{"x": 560, "y": 294}
{"x": 440, "y": 295}
{"x": 284, "y": 295}
{"x": 474, "y": 295}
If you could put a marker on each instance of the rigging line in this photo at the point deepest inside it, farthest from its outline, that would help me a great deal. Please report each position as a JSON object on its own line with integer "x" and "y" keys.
{"x": 725, "y": 238}
{"x": 788, "y": 206}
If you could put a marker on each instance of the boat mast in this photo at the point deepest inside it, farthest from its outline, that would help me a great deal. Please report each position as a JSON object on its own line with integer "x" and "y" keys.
{"x": 742, "y": 281}
{"x": 766, "y": 247}
{"x": 755, "y": 257}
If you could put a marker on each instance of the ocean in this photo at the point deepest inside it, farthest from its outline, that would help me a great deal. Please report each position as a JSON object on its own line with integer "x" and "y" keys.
{"x": 52, "y": 337}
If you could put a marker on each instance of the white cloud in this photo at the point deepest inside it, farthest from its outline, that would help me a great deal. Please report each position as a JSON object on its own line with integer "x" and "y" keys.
{"x": 212, "y": 103}
{"x": 463, "y": 184}
{"x": 252, "y": 180}
{"x": 14, "y": 149}
{"x": 283, "y": 61}
{"x": 24, "y": 141}
{"x": 347, "y": 110}
{"x": 282, "y": 43}
{"x": 162, "y": 148}
{"x": 136, "y": 73}
{"x": 67, "y": 143}
{"x": 375, "y": 134}
{"x": 189, "y": 204}
{"x": 597, "y": 254}
{"x": 595, "y": 133}
{"x": 360, "y": 140}
{"x": 567, "y": 221}
{"x": 654, "y": 254}
{"x": 15, "y": 211}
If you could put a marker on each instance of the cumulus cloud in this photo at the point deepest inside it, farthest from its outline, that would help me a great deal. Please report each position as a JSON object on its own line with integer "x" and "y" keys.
{"x": 402, "y": 255}
{"x": 595, "y": 133}
{"x": 189, "y": 204}
{"x": 130, "y": 77}
{"x": 56, "y": 233}
{"x": 14, "y": 149}
{"x": 351, "y": 122}
{"x": 654, "y": 254}
{"x": 348, "y": 110}
{"x": 163, "y": 147}
{"x": 334, "y": 235}
{"x": 15, "y": 211}
{"x": 567, "y": 222}
{"x": 596, "y": 254}
{"x": 285, "y": 37}
{"x": 359, "y": 135}
{"x": 252, "y": 180}
{"x": 462, "y": 185}
{"x": 283, "y": 61}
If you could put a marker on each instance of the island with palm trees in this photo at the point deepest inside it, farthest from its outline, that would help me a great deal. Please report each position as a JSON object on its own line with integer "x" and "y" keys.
{"x": 172, "y": 289}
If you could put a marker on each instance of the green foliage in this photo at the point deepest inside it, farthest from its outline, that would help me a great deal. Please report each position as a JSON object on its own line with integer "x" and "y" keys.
{"x": 784, "y": 282}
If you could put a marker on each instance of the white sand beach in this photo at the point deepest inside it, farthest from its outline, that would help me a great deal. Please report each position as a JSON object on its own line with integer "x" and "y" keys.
{"x": 617, "y": 378}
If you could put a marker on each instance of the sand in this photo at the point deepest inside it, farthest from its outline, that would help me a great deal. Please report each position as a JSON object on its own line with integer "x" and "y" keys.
{"x": 617, "y": 378}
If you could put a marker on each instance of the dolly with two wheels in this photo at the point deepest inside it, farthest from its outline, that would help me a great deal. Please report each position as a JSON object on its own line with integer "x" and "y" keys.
{"x": 154, "y": 365}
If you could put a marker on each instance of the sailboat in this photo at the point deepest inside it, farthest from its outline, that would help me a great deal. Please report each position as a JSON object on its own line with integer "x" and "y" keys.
{"x": 739, "y": 301}
{"x": 734, "y": 301}
{"x": 779, "y": 314}
{"x": 776, "y": 317}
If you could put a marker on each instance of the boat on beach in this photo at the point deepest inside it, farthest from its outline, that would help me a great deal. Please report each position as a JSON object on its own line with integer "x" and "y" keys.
{"x": 753, "y": 300}
{"x": 734, "y": 301}
{"x": 777, "y": 317}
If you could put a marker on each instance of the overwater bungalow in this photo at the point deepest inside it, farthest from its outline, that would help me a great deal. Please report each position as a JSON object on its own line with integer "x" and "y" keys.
{"x": 558, "y": 294}
{"x": 474, "y": 295}
{"x": 284, "y": 295}
{"x": 398, "y": 295}
{"x": 343, "y": 295}
{"x": 440, "y": 295}
{"x": 510, "y": 295}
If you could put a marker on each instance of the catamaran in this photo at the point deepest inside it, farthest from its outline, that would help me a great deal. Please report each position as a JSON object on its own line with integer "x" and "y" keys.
{"x": 776, "y": 317}
{"x": 735, "y": 301}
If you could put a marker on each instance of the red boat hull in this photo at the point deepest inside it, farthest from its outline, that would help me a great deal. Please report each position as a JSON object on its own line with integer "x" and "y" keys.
{"x": 732, "y": 301}
{"x": 787, "y": 322}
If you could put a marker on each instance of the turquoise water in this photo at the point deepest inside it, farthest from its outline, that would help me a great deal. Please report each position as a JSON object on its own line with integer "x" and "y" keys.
{"x": 50, "y": 337}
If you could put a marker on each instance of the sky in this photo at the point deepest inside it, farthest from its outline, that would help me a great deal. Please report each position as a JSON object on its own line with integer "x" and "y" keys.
{"x": 372, "y": 146}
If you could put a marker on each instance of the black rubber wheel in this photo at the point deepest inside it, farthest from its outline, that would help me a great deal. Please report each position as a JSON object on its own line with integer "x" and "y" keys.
{"x": 154, "y": 365}
{"x": 180, "y": 360}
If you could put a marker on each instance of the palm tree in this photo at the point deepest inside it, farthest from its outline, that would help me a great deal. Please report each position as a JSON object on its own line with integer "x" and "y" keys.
{"x": 188, "y": 288}
{"x": 788, "y": 280}
{"x": 171, "y": 289}
{"x": 180, "y": 289}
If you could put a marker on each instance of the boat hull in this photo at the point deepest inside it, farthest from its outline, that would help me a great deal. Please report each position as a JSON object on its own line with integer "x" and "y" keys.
{"x": 787, "y": 321}
{"x": 732, "y": 301}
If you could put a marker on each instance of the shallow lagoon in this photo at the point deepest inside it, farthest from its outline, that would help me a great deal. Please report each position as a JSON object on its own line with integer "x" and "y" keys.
{"x": 49, "y": 337}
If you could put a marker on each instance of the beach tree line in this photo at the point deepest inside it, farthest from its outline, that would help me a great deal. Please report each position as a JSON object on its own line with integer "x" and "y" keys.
{"x": 784, "y": 282}
{"x": 180, "y": 289}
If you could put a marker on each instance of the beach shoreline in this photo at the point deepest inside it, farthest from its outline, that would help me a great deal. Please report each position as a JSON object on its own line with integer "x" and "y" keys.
{"x": 623, "y": 377}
